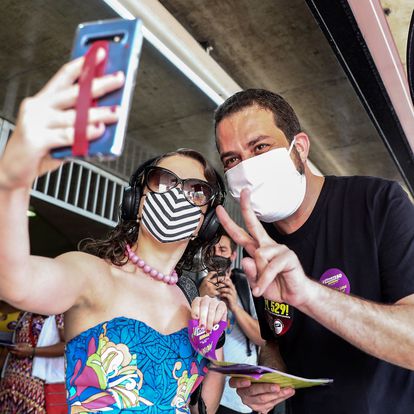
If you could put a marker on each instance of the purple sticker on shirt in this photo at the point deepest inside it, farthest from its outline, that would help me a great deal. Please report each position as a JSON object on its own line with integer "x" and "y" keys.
{"x": 336, "y": 279}
{"x": 205, "y": 342}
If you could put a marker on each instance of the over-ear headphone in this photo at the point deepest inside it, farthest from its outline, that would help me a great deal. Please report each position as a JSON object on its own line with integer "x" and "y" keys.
{"x": 132, "y": 193}
{"x": 211, "y": 224}
{"x": 132, "y": 197}
{"x": 410, "y": 57}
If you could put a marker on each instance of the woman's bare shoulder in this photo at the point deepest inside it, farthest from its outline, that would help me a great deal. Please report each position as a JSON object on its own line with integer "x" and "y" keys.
{"x": 85, "y": 264}
{"x": 95, "y": 275}
{"x": 80, "y": 257}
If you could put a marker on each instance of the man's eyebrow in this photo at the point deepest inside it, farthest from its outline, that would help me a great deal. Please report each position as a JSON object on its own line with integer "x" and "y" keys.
{"x": 254, "y": 141}
{"x": 250, "y": 144}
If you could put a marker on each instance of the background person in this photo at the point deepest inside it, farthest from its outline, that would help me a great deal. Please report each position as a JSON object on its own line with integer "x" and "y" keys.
{"x": 336, "y": 252}
{"x": 20, "y": 391}
{"x": 243, "y": 332}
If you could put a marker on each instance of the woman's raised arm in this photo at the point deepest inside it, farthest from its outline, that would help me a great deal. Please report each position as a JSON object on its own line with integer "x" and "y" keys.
{"x": 45, "y": 121}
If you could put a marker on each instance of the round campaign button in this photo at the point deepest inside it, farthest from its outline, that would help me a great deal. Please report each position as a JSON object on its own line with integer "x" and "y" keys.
{"x": 336, "y": 279}
{"x": 278, "y": 326}
{"x": 279, "y": 316}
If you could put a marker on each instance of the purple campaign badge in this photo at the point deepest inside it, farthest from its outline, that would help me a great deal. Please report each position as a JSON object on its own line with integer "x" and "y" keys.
{"x": 336, "y": 279}
{"x": 205, "y": 342}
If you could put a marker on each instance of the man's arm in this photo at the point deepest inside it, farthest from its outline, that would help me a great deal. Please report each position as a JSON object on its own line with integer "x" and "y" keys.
{"x": 49, "y": 351}
{"x": 248, "y": 325}
{"x": 270, "y": 356}
{"x": 384, "y": 331}
{"x": 213, "y": 386}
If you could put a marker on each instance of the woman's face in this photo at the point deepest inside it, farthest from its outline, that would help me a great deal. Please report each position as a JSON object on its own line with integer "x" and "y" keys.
{"x": 184, "y": 167}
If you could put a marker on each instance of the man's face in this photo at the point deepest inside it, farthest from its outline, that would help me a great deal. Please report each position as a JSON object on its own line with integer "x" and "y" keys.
{"x": 246, "y": 134}
{"x": 223, "y": 247}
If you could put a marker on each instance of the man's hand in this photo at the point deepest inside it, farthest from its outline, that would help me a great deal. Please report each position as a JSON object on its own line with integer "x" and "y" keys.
{"x": 228, "y": 293}
{"x": 273, "y": 270}
{"x": 209, "y": 285}
{"x": 22, "y": 350}
{"x": 260, "y": 397}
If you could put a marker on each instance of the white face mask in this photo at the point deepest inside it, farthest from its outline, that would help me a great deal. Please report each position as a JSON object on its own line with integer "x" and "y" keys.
{"x": 277, "y": 189}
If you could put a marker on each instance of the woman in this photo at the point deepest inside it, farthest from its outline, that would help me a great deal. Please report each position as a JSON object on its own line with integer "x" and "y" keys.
{"x": 20, "y": 391}
{"x": 125, "y": 317}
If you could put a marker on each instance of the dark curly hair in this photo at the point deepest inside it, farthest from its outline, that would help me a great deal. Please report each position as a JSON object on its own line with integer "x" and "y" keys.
{"x": 113, "y": 246}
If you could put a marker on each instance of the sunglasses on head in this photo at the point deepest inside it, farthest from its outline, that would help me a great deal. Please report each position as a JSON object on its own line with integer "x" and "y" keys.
{"x": 197, "y": 192}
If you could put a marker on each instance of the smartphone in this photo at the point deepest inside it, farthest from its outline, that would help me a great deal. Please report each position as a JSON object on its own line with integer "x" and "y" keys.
{"x": 124, "y": 39}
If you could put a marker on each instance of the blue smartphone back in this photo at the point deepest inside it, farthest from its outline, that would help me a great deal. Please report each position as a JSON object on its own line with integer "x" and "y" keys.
{"x": 125, "y": 43}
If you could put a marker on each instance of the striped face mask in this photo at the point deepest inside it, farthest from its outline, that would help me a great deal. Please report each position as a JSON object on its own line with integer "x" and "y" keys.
{"x": 169, "y": 217}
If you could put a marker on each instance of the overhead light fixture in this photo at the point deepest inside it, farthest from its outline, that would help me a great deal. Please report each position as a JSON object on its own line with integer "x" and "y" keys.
{"x": 192, "y": 60}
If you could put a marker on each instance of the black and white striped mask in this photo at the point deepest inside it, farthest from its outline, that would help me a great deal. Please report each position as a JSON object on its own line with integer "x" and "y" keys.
{"x": 169, "y": 216}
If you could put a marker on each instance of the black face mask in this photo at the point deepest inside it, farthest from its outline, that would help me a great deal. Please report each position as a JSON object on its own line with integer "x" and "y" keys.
{"x": 220, "y": 265}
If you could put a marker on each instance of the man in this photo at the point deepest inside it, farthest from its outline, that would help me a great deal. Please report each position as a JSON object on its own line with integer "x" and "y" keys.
{"x": 243, "y": 332}
{"x": 331, "y": 266}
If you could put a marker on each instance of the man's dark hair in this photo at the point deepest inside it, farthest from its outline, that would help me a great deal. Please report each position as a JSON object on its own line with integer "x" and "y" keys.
{"x": 284, "y": 115}
{"x": 233, "y": 244}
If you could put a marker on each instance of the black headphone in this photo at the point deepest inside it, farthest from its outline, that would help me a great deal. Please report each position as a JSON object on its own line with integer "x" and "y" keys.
{"x": 132, "y": 197}
{"x": 410, "y": 57}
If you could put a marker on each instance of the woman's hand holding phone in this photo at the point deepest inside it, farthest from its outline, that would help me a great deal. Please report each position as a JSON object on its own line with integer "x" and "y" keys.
{"x": 46, "y": 121}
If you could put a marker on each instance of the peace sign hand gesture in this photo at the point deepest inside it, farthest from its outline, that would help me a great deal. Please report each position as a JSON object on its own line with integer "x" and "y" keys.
{"x": 273, "y": 270}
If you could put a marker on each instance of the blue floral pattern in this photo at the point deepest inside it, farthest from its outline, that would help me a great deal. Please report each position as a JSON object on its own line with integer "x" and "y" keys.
{"x": 125, "y": 366}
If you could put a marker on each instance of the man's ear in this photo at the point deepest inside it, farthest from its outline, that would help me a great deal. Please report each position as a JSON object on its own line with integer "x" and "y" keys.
{"x": 233, "y": 256}
{"x": 302, "y": 145}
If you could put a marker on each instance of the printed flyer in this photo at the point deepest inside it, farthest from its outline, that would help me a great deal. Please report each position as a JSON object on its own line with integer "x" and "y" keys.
{"x": 205, "y": 343}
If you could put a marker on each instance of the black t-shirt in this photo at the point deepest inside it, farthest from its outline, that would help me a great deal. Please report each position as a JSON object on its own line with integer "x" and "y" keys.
{"x": 362, "y": 229}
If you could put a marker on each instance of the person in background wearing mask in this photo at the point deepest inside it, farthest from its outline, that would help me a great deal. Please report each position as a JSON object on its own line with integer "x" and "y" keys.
{"x": 243, "y": 332}
{"x": 331, "y": 266}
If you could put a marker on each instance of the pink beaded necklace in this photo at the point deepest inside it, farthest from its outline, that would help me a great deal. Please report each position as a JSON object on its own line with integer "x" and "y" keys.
{"x": 171, "y": 279}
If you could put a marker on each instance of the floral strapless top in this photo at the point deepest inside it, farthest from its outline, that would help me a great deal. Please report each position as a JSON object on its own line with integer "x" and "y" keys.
{"x": 125, "y": 366}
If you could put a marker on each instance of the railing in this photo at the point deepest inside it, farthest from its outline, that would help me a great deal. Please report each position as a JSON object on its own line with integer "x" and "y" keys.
{"x": 81, "y": 187}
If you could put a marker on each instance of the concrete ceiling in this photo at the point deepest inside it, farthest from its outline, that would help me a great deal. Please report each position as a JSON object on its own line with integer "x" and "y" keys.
{"x": 277, "y": 45}
{"x": 269, "y": 44}
{"x": 272, "y": 44}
